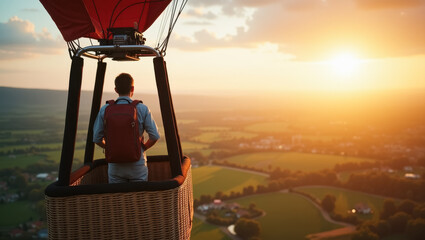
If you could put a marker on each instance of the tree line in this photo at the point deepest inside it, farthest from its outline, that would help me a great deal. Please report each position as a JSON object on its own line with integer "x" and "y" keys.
{"x": 407, "y": 217}
{"x": 374, "y": 181}
{"x": 32, "y": 149}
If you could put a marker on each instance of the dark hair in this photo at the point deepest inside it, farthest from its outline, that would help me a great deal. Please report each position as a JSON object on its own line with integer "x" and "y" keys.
{"x": 123, "y": 83}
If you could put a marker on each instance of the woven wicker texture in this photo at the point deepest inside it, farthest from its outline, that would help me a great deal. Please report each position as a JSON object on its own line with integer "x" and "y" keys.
{"x": 164, "y": 214}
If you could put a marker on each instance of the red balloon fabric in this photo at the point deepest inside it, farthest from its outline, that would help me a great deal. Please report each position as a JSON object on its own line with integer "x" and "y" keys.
{"x": 93, "y": 18}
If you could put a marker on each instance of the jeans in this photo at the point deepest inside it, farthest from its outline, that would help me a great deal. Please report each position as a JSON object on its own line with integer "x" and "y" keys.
{"x": 128, "y": 172}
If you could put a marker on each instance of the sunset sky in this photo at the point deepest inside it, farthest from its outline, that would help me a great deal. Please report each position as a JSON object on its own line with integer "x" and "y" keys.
{"x": 241, "y": 47}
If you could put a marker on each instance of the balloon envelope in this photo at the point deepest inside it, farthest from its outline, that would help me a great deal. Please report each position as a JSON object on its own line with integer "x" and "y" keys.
{"x": 93, "y": 18}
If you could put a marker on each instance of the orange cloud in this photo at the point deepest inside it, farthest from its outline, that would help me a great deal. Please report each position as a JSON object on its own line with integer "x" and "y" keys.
{"x": 381, "y": 4}
{"x": 312, "y": 30}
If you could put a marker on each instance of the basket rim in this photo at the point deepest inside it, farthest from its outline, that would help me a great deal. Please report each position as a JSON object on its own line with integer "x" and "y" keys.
{"x": 55, "y": 190}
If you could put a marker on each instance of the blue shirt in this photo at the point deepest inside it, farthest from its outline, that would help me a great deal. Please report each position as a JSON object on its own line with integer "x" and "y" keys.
{"x": 147, "y": 124}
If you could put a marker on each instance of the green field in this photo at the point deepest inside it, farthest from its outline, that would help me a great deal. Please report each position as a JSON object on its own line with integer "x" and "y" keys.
{"x": 211, "y": 179}
{"x": 44, "y": 145}
{"x": 346, "y": 199}
{"x": 214, "y": 128}
{"x": 288, "y": 216}
{"x": 205, "y": 231}
{"x": 269, "y": 127}
{"x": 17, "y": 212}
{"x": 291, "y": 160}
{"x": 287, "y": 128}
{"x": 21, "y": 161}
{"x": 216, "y": 136}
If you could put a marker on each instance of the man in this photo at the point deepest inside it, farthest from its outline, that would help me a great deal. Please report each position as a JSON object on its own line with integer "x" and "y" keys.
{"x": 130, "y": 171}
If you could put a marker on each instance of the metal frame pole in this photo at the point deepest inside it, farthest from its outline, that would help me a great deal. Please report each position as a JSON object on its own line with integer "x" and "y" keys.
{"x": 168, "y": 116}
{"x": 71, "y": 121}
{"x": 95, "y": 107}
{"x": 173, "y": 112}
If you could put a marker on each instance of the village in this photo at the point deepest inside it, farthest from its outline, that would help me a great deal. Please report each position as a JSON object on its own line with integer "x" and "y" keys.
{"x": 25, "y": 186}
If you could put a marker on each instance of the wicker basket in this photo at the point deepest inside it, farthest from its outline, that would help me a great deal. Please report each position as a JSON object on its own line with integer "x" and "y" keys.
{"x": 92, "y": 209}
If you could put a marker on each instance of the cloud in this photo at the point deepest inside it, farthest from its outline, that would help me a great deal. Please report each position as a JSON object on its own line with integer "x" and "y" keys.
{"x": 233, "y": 3}
{"x": 384, "y": 4}
{"x": 202, "y": 41}
{"x": 18, "y": 39}
{"x": 313, "y": 30}
{"x": 200, "y": 14}
{"x": 231, "y": 7}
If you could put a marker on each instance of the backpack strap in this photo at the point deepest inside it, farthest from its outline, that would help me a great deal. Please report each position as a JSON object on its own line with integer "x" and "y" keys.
{"x": 135, "y": 102}
{"x": 122, "y": 99}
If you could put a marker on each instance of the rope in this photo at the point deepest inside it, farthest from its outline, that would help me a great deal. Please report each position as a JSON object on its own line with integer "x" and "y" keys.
{"x": 173, "y": 20}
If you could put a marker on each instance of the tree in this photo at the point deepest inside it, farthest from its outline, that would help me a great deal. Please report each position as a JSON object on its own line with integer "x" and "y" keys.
{"x": 219, "y": 195}
{"x": 198, "y": 156}
{"x": 247, "y": 228}
{"x": 18, "y": 181}
{"x": 389, "y": 209}
{"x": 249, "y": 190}
{"x": 40, "y": 207}
{"x": 364, "y": 234}
{"x": 399, "y": 221}
{"x": 205, "y": 199}
{"x": 36, "y": 195}
{"x": 415, "y": 229}
{"x": 380, "y": 228}
{"x": 383, "y": 228}
{"x": 419, "y": 212}
{"x": 328, "y": 203}
{"x": 407, "y": 206}
{"x": 252, "y": 206}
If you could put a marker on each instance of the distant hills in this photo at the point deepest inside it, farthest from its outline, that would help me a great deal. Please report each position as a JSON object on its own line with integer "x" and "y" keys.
{"x": 383, "y": 107}
{"x": 56, "y": 100}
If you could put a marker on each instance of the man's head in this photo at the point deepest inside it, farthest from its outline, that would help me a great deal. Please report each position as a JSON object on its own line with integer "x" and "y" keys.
{"x": 124, "y": 85}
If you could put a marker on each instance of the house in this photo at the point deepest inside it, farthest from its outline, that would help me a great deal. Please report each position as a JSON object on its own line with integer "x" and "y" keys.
{"x": 36, "y": 224}
{"x": 408, "y": 168}
{"x": 43, "y": 234}
{"x": 218, "y": 204}
{"x": 412, "y": 176}
{"x": 16, "y": 233}
{"x": 362, "y": 208}
{"x": 42, "y": 175}
{"x": 233, "y": 206}
{"x": 9, "y": 198}
{"x": 242, "y": 213}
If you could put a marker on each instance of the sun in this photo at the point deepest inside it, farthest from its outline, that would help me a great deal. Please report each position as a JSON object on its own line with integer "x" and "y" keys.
{"x": 345, "y": 64}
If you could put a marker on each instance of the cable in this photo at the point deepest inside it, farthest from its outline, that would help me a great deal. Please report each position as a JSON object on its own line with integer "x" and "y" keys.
{"x": 141, "y": 14}
{"x": 162, "y": 26}
{"x": 173, "y": 21}
{"x": 170, "y": 18}
{"x": 98, "y": 17}
{"x": 112, "y": 15}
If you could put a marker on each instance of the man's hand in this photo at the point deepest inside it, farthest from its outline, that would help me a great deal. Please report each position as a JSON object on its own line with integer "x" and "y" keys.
{"x": 148, "y": 144}
{"x": 102, "y": 144}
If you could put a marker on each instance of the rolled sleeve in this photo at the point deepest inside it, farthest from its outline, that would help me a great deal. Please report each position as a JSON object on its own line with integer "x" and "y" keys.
{"x": 148, "y": 122}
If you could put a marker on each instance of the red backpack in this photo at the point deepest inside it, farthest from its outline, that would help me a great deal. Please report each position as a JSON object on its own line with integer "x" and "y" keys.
{"x": 123, "y": 142}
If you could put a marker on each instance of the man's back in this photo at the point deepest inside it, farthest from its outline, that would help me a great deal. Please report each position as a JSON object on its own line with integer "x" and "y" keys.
{"x": 123, "y": 141}
{"x": 132, "y": 171}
